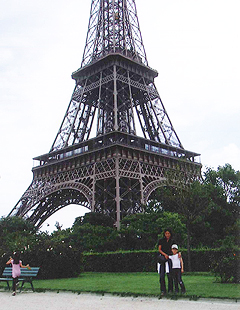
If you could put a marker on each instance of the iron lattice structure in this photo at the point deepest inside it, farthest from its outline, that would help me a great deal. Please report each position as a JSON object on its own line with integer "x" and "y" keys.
{"x": 116, "y": 141}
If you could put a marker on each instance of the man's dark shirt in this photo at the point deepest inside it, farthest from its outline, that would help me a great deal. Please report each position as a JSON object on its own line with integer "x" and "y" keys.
{"x": 166, "y": 245}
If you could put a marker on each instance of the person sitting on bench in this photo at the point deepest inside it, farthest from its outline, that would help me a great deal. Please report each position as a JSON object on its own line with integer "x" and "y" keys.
{"x": 16, "y": 271}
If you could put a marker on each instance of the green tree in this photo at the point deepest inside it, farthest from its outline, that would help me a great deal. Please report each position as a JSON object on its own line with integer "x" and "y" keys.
{"x": 16, "y": 234}
{"x": 95, "y": 219}
{"x": 226, "y": 202}
{"x": 190, "y": 200}
{"x": 226, "y": 178}
{"x": 142, "y": 231}
{"x": 95, "y": 232}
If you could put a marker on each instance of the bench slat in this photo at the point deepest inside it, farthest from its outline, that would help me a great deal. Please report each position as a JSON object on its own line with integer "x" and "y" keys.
{"x": 24, "y": 271}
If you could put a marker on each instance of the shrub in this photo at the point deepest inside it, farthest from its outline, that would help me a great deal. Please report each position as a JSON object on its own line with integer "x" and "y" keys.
{"x": 56, "y": 263}
{"x": 55, "y": 259}
{"x": 227, "y": 267}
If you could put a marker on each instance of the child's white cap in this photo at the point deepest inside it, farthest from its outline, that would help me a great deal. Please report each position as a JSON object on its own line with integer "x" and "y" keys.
{"x": 174, "y": 246}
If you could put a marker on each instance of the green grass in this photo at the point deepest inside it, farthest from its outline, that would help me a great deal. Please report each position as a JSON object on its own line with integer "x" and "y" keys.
{"x": 139, "y": 284}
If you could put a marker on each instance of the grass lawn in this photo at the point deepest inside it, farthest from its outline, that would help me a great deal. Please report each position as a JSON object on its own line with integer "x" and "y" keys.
{"x": 144, "y": 284}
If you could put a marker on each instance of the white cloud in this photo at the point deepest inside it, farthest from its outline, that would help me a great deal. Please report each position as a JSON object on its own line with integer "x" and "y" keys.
{"x": 228, "y": 154}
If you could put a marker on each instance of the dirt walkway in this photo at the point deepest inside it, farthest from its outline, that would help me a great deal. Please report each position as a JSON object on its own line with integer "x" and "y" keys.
{"x": 70, "y": 301}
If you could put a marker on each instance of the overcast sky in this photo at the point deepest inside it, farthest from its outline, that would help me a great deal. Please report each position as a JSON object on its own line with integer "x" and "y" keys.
{"x": 193, "y": 44}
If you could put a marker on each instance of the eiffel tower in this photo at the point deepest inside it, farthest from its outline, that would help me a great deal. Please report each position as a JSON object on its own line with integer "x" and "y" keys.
{"x": 116, "y": 141}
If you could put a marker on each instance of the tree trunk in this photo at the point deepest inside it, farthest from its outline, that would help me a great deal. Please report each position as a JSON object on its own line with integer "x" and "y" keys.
{"x": 189, "y": 249}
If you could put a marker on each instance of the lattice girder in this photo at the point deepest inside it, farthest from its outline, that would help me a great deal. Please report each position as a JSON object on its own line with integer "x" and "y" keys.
{"x": 95, "y": 179}
{"x": 113, "y": 27}
{"x": 113, "y": 95}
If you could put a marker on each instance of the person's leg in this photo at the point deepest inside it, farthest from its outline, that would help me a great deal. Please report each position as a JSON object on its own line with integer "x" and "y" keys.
{"x": 180, "y": 281}
{"x": 162, "y": 279}
{"x": 170, "y": 278}
{"x": 15, "y": 280}
{"x": 175, "y": 279}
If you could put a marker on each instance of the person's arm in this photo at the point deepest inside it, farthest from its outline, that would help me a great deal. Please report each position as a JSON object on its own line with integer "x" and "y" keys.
{"x": 27, "y": 266}
{"x": 9, "y": 261}
{"x": 181, "y": 262}
{"x": 161, "y": 252}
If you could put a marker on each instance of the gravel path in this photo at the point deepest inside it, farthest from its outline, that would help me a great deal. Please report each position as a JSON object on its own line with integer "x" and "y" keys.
{"x": 71, "y": 301}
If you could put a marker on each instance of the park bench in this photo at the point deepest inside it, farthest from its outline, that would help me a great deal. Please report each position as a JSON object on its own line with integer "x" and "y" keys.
{"x": 27, "y": 275}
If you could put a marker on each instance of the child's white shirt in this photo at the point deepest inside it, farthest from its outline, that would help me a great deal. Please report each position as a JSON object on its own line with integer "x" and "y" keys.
{"x": 175, "y": 261}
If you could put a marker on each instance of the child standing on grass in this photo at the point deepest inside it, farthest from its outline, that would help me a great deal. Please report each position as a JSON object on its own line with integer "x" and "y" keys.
{"x": 177, "y": 269}
{"x": 16, "y": 269}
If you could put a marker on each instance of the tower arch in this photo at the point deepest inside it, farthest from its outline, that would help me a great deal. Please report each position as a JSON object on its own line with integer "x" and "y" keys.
{"x": 151, "y": 187}
{"x": 38, "y": 209}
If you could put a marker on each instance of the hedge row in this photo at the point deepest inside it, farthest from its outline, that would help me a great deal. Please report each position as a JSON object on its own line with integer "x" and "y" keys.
{"x": 139, "y": 261}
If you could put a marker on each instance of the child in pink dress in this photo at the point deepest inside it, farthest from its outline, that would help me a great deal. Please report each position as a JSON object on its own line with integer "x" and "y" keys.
{"x": 16, "y": 269}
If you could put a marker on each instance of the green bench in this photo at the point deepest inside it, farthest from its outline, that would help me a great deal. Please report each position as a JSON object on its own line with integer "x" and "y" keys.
{"x": 27, "y": 275}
